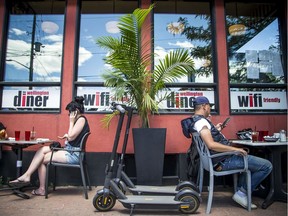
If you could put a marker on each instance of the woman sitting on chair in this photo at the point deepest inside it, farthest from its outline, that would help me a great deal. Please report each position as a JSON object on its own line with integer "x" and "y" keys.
{"x": 78, "y": 126}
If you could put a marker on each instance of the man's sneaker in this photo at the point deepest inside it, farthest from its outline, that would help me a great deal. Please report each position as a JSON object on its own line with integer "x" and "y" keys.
{"x": 242, "y": 201}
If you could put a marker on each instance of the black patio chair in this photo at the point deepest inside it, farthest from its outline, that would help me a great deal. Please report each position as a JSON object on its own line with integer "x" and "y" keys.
{"x": 82, "y": 166}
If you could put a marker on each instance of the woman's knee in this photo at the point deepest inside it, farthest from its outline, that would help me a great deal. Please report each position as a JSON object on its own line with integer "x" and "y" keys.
{"x": 44, "y": 149}
{"x": 47, "y": 158}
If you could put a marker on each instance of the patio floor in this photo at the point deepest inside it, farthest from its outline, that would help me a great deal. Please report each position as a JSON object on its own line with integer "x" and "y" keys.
{"x": 70, "y": 201}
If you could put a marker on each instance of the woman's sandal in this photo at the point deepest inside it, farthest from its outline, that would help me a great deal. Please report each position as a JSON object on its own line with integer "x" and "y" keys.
{"x": 36, "y": 192}
{"x": 19, "y": 183}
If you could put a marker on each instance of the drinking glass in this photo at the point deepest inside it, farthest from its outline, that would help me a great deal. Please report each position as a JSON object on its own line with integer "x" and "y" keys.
{"x": 27, "y": 135}
{"x": 33, "y": 135}
{"x": 17, "y": 135}
{"x": 255, "y": 135}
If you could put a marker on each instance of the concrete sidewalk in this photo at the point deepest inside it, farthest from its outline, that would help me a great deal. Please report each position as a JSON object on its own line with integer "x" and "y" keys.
{"x": 70, "y": 201}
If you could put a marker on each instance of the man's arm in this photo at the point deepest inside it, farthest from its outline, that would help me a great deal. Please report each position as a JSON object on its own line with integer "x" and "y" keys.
{"x": 206, "y": 135}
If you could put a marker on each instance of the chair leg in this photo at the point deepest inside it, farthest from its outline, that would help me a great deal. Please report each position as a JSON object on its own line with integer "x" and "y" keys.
{"x": 200, "y": 178}
{"x": 46, "y": 181}
{"x": 235, "y": 182}
{"x": 84, "y": 181}
{"x": 87, "y": 177}
{"x": 54, "y": 179}
{"x": 249, "y": 192}
{"x": 210, "y": 194}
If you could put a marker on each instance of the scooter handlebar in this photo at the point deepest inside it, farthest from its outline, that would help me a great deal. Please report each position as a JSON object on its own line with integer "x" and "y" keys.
{"x": 118, "y": 107}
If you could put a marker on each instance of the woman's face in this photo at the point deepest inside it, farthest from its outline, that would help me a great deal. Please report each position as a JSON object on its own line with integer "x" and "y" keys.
{"x": 74, "y": 113}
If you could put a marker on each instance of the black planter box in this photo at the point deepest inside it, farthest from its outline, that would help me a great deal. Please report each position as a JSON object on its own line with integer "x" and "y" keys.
{"x": 149, "y": 148}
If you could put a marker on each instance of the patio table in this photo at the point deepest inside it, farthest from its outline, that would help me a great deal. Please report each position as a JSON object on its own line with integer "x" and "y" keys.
{"x": 18, "y": 146}
{"x": 275, "y": 149}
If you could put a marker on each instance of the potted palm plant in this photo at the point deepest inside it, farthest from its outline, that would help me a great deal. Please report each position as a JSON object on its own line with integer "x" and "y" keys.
{"x": 132, "y": 76}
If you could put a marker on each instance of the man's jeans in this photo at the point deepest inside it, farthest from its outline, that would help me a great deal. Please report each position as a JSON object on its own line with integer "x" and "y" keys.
{"x": 259, "y": 168}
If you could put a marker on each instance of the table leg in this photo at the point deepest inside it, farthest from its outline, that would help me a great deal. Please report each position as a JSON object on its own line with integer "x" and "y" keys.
{"x": 276, "y": 192}
{"x": 270, "y": 197}
{"x": 19, "y": 153}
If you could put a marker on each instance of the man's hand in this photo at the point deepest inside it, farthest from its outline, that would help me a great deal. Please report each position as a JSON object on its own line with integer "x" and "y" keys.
{"x": 219, "y": 126}
{"x": 242, "y": 151}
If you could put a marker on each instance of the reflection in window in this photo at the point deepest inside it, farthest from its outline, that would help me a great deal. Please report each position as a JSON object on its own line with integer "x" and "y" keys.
{"x": 98, "y": 18}
{"x": 254, "y": 43}
{"x": 33, "y": 54}
{"x": 181, "y": 24}
{"x": 90, "y": 64}
{"x": 34, "y": 49}
{"x": 35, "y": 41}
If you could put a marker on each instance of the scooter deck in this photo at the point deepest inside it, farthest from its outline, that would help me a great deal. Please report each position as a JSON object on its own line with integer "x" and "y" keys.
{"x": 157, "y": 190}
{"x": 150, "y": 202}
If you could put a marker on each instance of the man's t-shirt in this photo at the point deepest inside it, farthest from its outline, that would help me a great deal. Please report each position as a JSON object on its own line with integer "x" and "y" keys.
{"x": 198, "y": 126}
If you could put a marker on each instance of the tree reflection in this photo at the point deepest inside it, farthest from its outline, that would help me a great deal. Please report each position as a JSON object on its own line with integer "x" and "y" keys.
{"x": 237, "y": 60}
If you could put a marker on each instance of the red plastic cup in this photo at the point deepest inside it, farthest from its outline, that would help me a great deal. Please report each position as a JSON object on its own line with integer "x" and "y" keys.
{"x": 27, "y": 135}
{"x": 17, "y": 135}
{"x": 265, "y": 133}
{"x": 262, "y": 134}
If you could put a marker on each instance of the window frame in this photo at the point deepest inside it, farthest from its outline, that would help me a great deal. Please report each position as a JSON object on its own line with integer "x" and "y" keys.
{"x": 30, "y": 84}
{"x": 276, "y": 86}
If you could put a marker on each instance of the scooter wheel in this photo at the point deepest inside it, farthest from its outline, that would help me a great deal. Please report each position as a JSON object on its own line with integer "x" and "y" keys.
{"x": 104, "y": 204}
{"x": 192, "y": 201}
{"x": 188, "y": 186}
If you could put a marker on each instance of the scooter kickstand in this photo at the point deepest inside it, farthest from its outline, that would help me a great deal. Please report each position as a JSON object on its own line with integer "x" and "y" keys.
{"x": 131, "y": 210}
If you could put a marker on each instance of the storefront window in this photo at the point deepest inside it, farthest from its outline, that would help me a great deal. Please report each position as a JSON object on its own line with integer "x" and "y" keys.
{"x": 256, "y": 57}
{"x": 185, "y": 25}
{"x": 182, "y": 24}
{"x": 98, "y": 18}
{"x": 33, "y": 55}
{"x": 91, "y": 64}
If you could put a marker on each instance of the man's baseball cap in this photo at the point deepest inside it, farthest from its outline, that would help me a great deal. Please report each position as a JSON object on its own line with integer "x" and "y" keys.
{"x": 201, "y": 100}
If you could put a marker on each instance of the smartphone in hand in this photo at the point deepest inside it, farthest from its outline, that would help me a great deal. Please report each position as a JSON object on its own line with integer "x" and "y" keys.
{"x": 224, "y": 124}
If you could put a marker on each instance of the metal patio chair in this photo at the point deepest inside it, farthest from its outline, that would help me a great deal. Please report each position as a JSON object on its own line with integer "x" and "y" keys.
{"x": 82, "y": 166}
{"x": 206, "y": 164}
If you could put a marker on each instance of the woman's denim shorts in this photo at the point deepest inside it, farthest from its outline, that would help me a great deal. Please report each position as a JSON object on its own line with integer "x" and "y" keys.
{"x": 72, "y": 157}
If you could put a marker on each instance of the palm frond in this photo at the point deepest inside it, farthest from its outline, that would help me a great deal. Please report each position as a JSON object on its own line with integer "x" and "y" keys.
{"x": 107, "y": 119}
{"x": 130, "y": 58}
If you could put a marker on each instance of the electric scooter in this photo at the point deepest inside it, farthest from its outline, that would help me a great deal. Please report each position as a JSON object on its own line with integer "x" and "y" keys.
{"x": 187, "y": 201}
{"x": 123, "y": 181}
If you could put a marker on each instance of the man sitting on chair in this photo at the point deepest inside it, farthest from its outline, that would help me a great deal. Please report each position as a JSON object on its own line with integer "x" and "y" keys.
{"x": 216, "y": 142}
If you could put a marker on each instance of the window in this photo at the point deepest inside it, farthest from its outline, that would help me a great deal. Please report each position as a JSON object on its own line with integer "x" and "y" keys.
{"x": 90, "y": 64}
{"x": 98, "y": 18}
{"x": 256, "y": 57}
{"x": 32, "y": 73}
{"x": 186, "y": 24}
